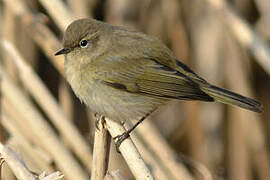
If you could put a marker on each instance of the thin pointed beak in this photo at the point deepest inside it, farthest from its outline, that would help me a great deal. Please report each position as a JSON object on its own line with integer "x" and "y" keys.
{"x": 62, "y": 51}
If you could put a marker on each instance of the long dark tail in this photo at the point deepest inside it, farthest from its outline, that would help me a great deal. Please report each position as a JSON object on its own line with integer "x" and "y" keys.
{"x": 228, "y": 97}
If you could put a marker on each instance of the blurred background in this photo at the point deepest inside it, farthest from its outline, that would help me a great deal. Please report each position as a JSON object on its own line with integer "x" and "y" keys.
{"x": 225, "y": 41}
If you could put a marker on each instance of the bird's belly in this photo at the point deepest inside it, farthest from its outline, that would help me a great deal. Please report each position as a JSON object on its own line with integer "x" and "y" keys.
{"x": 116, "y": 104}
{"x": 113, "y": 103}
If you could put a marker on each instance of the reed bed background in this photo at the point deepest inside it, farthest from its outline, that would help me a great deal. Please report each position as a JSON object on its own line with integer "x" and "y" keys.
{"x": 44, "y": 127}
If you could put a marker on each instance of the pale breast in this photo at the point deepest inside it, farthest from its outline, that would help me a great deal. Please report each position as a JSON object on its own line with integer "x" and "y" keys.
{"x": 74, "y": 73}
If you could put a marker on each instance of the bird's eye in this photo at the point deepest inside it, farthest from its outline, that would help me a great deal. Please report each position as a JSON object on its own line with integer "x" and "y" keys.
{"x": 83, "y": 43}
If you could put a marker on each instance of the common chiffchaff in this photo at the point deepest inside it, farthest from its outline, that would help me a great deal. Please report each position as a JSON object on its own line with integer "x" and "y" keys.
{"x": 124, "y": 74}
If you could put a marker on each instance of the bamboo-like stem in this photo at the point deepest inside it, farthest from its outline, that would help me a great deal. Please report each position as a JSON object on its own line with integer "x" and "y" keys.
{"x": 9, "y": 32}
{"x": 114, "y": 175}
{"x": 129, "y": 152}
{"x": 41, "y": 164}
{"x": 244, "y": 33}
{"x": 50, "y": 106}
{"x": 204, "y": 118}
{"x": 162, "y": 150}
{"x": 101, "y": 151}
{"x": 195, "y": 134}
{"x": 21, "y": 121}
{"x": 57, "y": 7}
{"x": 256, "y": 142}
{"x": 157, "y": 167}
{"x": 53, "y": 176}
{"x": 47, "y": 41}
{"x": 238, "y": 120}
{"x": 19, "y": 168}
{"x": 262, "y": 162}
{"x": 175, "y": 28}
{"x": 66, "y": 99}
{"x": 41, "y": 129}
{"x": 16, "y": 164}
{"x": 80, "y": 8}
{"x": 44, "y": 38}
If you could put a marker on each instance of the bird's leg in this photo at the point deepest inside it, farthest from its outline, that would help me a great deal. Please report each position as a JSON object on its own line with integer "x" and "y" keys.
{"x": 99, "y": 118}
{"x": 122, "y": 123}
{"x": 120, "y": 138}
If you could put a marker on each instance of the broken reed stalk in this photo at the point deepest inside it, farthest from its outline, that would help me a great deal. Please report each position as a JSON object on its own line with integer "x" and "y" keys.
{"x": 16, "y": 163}
{"x": 19, "y": 168}
{"x": 39, "y": 159}
{"x": 101, "y": 151}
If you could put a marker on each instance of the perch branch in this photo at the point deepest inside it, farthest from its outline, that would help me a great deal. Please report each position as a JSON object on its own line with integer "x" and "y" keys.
{"x": 129, "y": 152}
{"x": 162, "y": 150}
{"x": 101, "y": 151}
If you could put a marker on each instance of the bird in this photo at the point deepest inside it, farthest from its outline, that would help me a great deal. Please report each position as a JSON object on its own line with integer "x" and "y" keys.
{"x": 124, "y": 74}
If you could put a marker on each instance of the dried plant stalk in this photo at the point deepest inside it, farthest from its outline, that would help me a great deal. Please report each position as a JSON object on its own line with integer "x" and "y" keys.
{"x": 55, "y": 8}
{"x": 101, "y": 151}
{"x": 129, "y": 152}
{"x": 114, "y": 175}
{"x": 162, "y": 150}
{"x": 40, "y": 33}
{"x": 38, "y": 162}
{"x": 16, "y": 163}
{"x": 19, "y": 168}
{"x": 41, "y": 130}
{"x": 244, "y": 33}
{"x": 50, "y": 106}
{"x": 158, "y": 169}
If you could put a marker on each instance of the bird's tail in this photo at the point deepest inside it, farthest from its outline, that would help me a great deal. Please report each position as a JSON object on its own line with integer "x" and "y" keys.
{"x": 228, "y": 97}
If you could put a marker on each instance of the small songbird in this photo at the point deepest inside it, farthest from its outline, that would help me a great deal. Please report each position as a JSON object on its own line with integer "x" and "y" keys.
{"x": 126, "y": 75}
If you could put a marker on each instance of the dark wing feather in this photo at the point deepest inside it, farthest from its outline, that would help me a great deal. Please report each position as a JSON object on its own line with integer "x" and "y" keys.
{"x": 166, "y": 83}
{"x": 147, "y": 77}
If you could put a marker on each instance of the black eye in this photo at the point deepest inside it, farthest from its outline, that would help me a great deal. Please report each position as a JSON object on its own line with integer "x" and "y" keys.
{"x": 83, "y": 43}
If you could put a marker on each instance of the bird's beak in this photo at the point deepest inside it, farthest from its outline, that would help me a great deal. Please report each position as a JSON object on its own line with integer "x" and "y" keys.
{"x": 63, "y": 51}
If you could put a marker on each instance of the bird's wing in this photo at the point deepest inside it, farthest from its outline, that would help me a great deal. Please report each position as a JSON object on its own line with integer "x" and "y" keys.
{"x": 165, "y": 82}
{"x": 147, "y": 77}
{"x": 145, "y": 46}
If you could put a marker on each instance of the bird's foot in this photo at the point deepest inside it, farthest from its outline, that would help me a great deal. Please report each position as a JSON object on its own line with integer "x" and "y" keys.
{"x": 119, "y": 139}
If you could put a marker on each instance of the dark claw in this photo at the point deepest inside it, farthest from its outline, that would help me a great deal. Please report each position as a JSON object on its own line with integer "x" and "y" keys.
{"x": 119, "y": 139}
{"x": 125, "y": 135}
